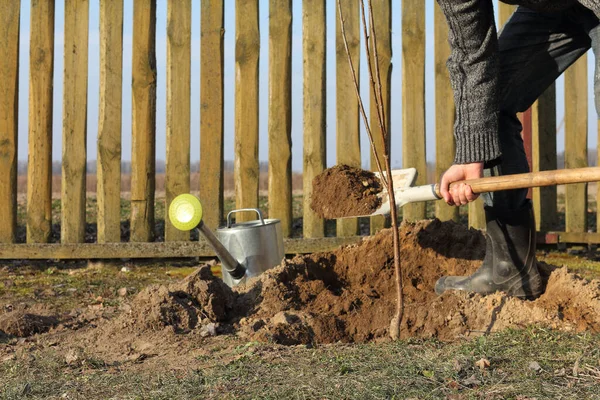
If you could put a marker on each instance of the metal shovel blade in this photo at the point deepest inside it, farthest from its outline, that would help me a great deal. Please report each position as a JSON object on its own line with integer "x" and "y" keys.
{"x": 404, "y": 191}
{"x": 402, "y": 179}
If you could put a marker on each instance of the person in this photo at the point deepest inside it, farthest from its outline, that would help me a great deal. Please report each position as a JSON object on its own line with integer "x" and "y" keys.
{"x": 493, "y": 78}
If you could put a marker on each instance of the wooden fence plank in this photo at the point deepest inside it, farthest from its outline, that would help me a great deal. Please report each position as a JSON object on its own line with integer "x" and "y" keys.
{"x": 74, "y": 143}
{"x": 347, "y": 120}
{"x": 576, "y": 129}
{"x": 211, "y": 111}
{"x": 444, "y": 112}
{"x": 9, "y": 117}
{"x": 186, "y": 249}
{"x": 280, "y": 113}
{"x": 544, "y": 158}
{"x": 382, "y": 15}
{"x": 143, "y": 144}
{"x": 108, "y": 168}
{"x": 504, "y": 13}
{"x": 180, "y": 249}
{"x": 313, "y": 50}
{"x": 413, "y": 98}
{"x": 476, "y": 214}
{"x": 179, "y": 58}
{"x": 39, "y": 167}
{"x": 247, "y": 51}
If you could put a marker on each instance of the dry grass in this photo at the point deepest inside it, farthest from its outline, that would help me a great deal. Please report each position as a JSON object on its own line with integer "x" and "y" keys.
{"x": 564, "y": 366}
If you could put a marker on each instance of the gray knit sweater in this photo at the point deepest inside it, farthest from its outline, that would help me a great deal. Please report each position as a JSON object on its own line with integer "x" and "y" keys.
{"x": 473, "y": 67}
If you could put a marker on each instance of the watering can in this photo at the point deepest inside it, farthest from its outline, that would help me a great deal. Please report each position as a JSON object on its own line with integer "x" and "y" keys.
{"x": 246, "y": 249}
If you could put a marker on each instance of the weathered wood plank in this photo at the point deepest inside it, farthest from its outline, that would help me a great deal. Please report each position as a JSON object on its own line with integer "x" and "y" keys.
{"x": 108, "y": 169}
{"x": 153, "y": 250}
{"x": 39, "y": 167}
{"x": 247, "y": 51}
{"x": 347, "y": 120}
{"x": 382, "y": 15}
{"x": 576, "y": 129}
{"x": 211, "y": 111}
{"x": 413, "y": 98}
{"x": 504, "y": 13}
{"x": 9, "y": 117}
{"x": 444, "y": 112}
{"x": 544, "y": 157}
{"x": 280, "y": 113}
{"x": 186, "y": 249}
{"x": 143, "y": 144}
{"x": 476, "y": 214}
{"x": 569, "y": 237}
{"x": 179, "y": 58}
{"x": 313, "y": 50}
{"x": 74, "y": 143}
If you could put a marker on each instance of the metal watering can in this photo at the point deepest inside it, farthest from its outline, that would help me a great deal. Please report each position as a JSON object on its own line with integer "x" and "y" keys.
{"x": 246, "y": 249}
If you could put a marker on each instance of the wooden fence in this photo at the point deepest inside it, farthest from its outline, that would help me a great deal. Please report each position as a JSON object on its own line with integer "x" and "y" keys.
{"x": 540, "y": 122}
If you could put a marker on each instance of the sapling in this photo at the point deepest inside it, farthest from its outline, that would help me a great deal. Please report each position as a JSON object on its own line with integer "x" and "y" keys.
{"x": 385, "y": 175}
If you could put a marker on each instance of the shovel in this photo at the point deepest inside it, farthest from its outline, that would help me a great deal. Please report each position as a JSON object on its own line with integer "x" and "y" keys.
{"x": 406, "y": 193}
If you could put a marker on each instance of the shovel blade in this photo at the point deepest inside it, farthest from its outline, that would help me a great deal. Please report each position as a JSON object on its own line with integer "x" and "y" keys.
{"x": 402, "y": 179}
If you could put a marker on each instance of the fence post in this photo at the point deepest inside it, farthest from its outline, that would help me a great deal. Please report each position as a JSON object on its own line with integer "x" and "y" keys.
{"x": 179, "y": 55}
{"x": 504, "y": 13}
{"x": 247, "y": 54}
{"x": 39, "y": 166}
{"x": 280, "y": 113}
{"x": 444, "y": 112}
{"x": 576, "y": 127}
{"x": 347, "y": 120}
{"x": 9, "y": 117}
{"x": 543, "y": 157}
{"x": 382, "y": 15}
{"x": 413, "y": 98}
{"x": 74, "y": 145}
{"x": 144, "y": 121}
{"x": 109, "y": 122}
{"x": 211, "y": 111}
{"x": 313, "y": 50}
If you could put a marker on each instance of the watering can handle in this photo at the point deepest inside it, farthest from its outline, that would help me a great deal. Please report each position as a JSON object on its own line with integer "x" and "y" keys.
{"x": 242, "y": 210}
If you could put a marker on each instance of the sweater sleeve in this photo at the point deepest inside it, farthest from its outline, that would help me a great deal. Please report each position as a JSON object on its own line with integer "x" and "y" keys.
{"x": 473, "y": 68}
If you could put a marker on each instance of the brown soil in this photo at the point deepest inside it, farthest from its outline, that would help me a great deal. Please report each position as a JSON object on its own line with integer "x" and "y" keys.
{"x": 343, "y": 191}
{"x": 23, "y": 323}
{"x": 346, "y": 295}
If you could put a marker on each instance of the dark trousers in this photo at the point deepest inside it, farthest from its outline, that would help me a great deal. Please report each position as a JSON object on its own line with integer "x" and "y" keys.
{"x": 535, "y": 49}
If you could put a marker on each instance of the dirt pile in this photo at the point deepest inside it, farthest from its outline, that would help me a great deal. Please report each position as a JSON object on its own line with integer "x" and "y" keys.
{"x": 346, "y": 295}
{"x": 343, "y": 191}
{"x": 182, "y": 306}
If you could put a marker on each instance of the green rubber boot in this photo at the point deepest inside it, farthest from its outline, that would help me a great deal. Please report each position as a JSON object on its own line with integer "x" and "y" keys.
{"x": 509, "y": 265}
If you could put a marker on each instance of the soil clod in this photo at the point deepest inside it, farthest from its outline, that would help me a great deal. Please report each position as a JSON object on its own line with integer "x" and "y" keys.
{"x": 343, "y": 191}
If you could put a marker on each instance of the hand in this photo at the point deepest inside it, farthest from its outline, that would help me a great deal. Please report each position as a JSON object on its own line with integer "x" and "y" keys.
{"x": 460, "y": 194}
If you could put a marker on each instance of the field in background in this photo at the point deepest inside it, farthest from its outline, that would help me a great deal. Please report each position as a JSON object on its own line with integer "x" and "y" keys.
{"x": 228, "y": 183}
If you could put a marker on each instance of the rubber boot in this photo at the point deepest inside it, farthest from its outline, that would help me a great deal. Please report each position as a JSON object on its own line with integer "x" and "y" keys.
{"x": 509, "y": 265}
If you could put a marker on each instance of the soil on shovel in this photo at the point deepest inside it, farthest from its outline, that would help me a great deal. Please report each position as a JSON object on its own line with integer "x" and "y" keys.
{"x": 346, "y": 295}
{"x": 343, "y": 191}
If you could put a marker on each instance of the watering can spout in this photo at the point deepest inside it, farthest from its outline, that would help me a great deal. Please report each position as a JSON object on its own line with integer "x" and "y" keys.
{"x": 228, "y": 262}
{"x": 185, "y": 213}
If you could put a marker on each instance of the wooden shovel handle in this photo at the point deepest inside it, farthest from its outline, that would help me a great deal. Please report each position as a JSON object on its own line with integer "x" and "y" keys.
{"x": 530, "y": 180}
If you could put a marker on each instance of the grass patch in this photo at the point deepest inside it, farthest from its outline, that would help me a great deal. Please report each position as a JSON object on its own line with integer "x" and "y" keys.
{"x": 68, "y": 285}
{"x": 568, "y": 368}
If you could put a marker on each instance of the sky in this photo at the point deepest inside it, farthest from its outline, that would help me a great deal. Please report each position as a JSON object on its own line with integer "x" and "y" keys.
{"x": 229, "y": 53}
